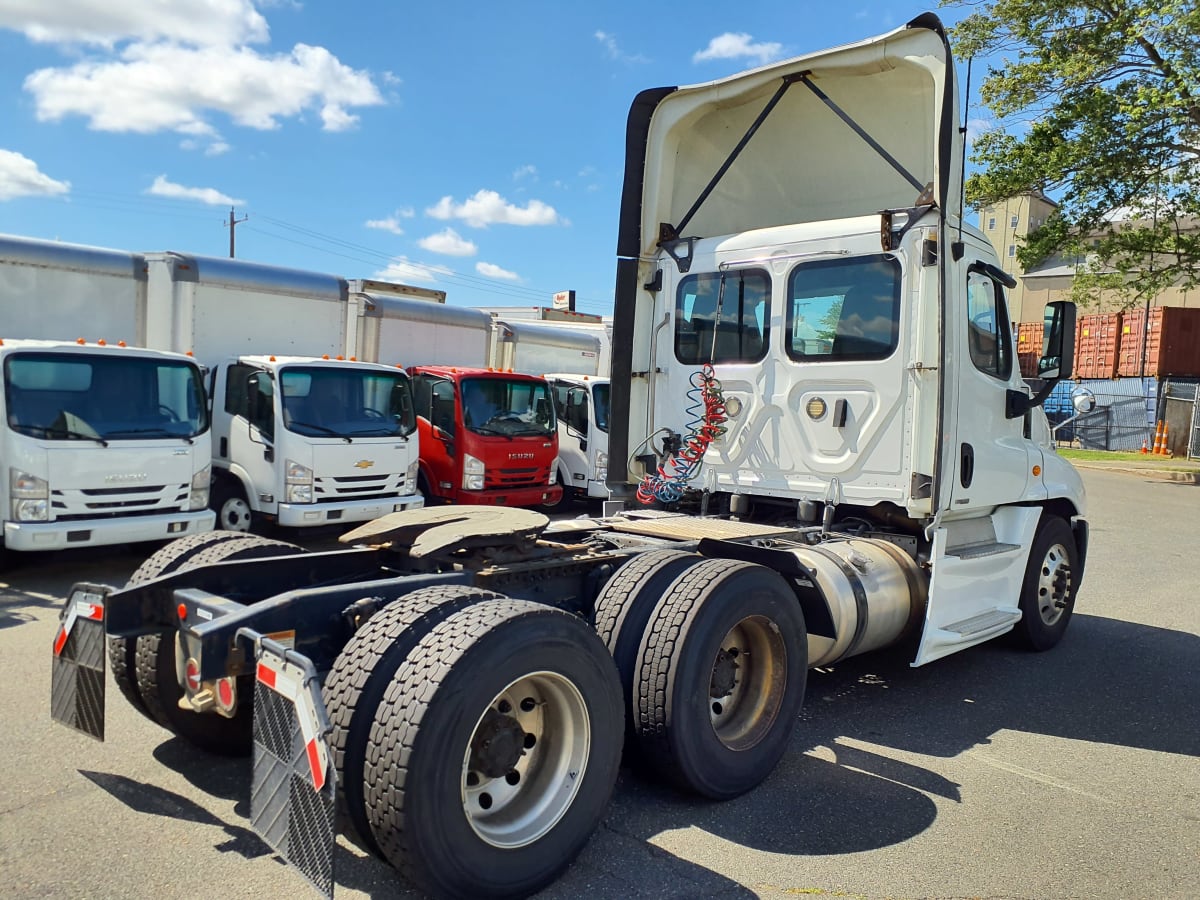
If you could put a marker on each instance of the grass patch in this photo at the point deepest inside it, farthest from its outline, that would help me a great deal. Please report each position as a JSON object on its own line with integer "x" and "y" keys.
{"x": 1110, "y": 455}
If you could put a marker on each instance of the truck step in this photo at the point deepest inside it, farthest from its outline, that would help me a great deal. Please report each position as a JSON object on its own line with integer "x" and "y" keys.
{"x": 977, "y": 551}
{"x": 987, "y": 620}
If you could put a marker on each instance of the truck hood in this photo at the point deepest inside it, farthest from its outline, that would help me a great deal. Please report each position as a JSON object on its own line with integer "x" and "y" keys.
{"x": 840, "y": 133}
{"x": 80, "y": 465}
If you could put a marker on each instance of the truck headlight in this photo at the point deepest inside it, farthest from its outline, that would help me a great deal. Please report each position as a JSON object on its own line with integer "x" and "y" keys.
{"x": 30, "y": 496}
{"x": 201, "y": 481}
{"x": 473, "y": 472}
{"x": 601, "y": 466}
{"x": 298, "y": 483}
{"x": 410, "y": 477}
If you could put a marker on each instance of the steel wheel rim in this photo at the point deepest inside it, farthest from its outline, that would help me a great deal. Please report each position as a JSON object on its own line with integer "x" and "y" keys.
{"x": 743, "y": 715}
{"x": 1054, "y": 584}
{"x": 235, "y": 515}
{"x": 519, "y": 807}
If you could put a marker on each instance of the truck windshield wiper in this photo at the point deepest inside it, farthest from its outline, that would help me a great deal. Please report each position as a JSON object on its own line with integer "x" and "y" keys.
{"x": 321, "y": 428}
{"x": 148, "y": 432}
{"x": 487, "y": 429}
{"x": 55, "y": 433}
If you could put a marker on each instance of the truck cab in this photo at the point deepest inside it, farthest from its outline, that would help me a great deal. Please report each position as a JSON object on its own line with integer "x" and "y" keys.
{"x": 100, "y": 444}
{"x": 306, "y": 441}
{"x": 581, "y": 404}
{"x": 487, "y": 437}
{"x": 813, "y": 333}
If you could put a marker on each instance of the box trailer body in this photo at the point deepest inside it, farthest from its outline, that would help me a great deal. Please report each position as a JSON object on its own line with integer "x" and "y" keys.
{"x": 100, "y": 443}
{"x": 534, "y": 348}
{"x": 581, "y": 403}
{"x": 305, "y": 432}
{"x": 820, "y": 402}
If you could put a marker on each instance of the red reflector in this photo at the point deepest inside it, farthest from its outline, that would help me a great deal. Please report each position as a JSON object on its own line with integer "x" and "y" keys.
{"x": 314, "y": 765}
{"x": 182, "y": 610}
{"x": 266, "y": 675}
{"x": 59, "y": 641}
{"x": 225, "y": 693}
{"x": 192, "y": 673}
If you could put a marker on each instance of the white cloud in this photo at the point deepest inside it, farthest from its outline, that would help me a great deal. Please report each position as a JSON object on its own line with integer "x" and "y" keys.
{"x": 216, "y": 148}
{"x": 104, "y": 22}
{"x": 164, "y": 188}
{"x": 740, "y": 45}
{"x": 489, "y": 208}
{"x": 489, "y": 270}
{"x": 164, "y": 87}
{"x": 527, "y": 171}
{"x": 609, "y": 43}
{"x": 448, "y": 243}
{"x": 401, "y": 269}
{"x": 21, "y": 177}
{"x": 391, "y": 223}
{"x": 977, "y": 127}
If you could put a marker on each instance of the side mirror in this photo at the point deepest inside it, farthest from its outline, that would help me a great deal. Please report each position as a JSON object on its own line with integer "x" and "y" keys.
{"x": 1058, "y": 356}
{"x": 1058, "y": 341}
{"x": 260, "y": 408}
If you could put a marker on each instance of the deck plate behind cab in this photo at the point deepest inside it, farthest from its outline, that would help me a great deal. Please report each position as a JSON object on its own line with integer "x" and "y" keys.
{"x": 444, "y": 529}
{"x": 690, "y": 528}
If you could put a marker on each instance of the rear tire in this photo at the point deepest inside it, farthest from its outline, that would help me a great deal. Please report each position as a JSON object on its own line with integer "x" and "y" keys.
{"x": 494, "y": 752}
{"x": 1048, "y": 591}
{"x": 122, "y": 653}
{"x": 624, "y": 608}
{"x": 721, "y": 676}
{"x": 361, "y": 673}
{"x": 154, "y": 666}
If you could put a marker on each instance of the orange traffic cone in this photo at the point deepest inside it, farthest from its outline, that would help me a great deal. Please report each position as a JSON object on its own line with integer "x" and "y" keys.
{"x": 1158, "y": 428}
{"x": 1145, "y": 449}
{"x": 1166, "y": 445}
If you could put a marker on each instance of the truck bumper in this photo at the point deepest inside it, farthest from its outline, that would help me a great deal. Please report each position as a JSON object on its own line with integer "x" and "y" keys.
{"x": 306, "y": 515}
{"x": 520, "y": 496}
{"x": 102, "y": 532}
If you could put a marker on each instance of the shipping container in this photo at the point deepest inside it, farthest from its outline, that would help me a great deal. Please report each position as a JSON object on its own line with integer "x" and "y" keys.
{"x": 1170, "y": 345}
{"x": 1096, "y": 345}
{"x": 1029, "y": 347}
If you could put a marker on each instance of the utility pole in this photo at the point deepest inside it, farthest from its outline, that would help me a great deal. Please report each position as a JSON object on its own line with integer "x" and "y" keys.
{"x": 232, "y": 224}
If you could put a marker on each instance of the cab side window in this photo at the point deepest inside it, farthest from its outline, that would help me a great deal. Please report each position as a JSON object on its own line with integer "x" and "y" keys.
{"x": 989, "y": 336}
{"x": 722, "y": 317}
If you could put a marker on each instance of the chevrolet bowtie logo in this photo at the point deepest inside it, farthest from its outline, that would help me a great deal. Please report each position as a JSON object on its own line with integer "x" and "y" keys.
{"x": 364, "y": 464}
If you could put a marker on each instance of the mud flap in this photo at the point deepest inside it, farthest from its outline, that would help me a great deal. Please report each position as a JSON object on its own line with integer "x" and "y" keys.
{"x": 292, "y": 789}
{"x": 77, "y": 670}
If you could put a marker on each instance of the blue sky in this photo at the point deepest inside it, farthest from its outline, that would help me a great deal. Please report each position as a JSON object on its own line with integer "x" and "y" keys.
{"x": 475, "y": 148}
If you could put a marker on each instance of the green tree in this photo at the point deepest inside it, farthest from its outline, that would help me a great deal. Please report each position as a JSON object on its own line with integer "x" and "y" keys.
{"x": 1098, "y": 105}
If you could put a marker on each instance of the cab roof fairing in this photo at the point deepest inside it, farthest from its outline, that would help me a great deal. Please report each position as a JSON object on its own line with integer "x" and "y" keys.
{"x": 805, "y": 163}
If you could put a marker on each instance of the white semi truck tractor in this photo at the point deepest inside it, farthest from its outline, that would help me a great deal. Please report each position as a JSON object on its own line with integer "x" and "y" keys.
{"x": 813, "y": 391}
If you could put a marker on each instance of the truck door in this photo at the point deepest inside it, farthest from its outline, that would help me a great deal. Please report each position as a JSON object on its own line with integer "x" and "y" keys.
{"x": 250, "y": 442}
{"x": 991, "y": 463}
{"x": 570, "y": 406}
{"x": 434, "y": 401}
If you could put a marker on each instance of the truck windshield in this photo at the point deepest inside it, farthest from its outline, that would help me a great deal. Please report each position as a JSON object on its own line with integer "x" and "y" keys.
{"x": 103, "y": 397}
{"x": 508, "y": 407}
{"x": 600, "y": 401}
{"x": 324, "y": 401}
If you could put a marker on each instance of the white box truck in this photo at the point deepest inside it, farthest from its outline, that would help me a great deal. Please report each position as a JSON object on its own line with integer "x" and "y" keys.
{"x": 100, "y": 442}
{"x": 305, "y": 432}
{"x": 858, "y": 423}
